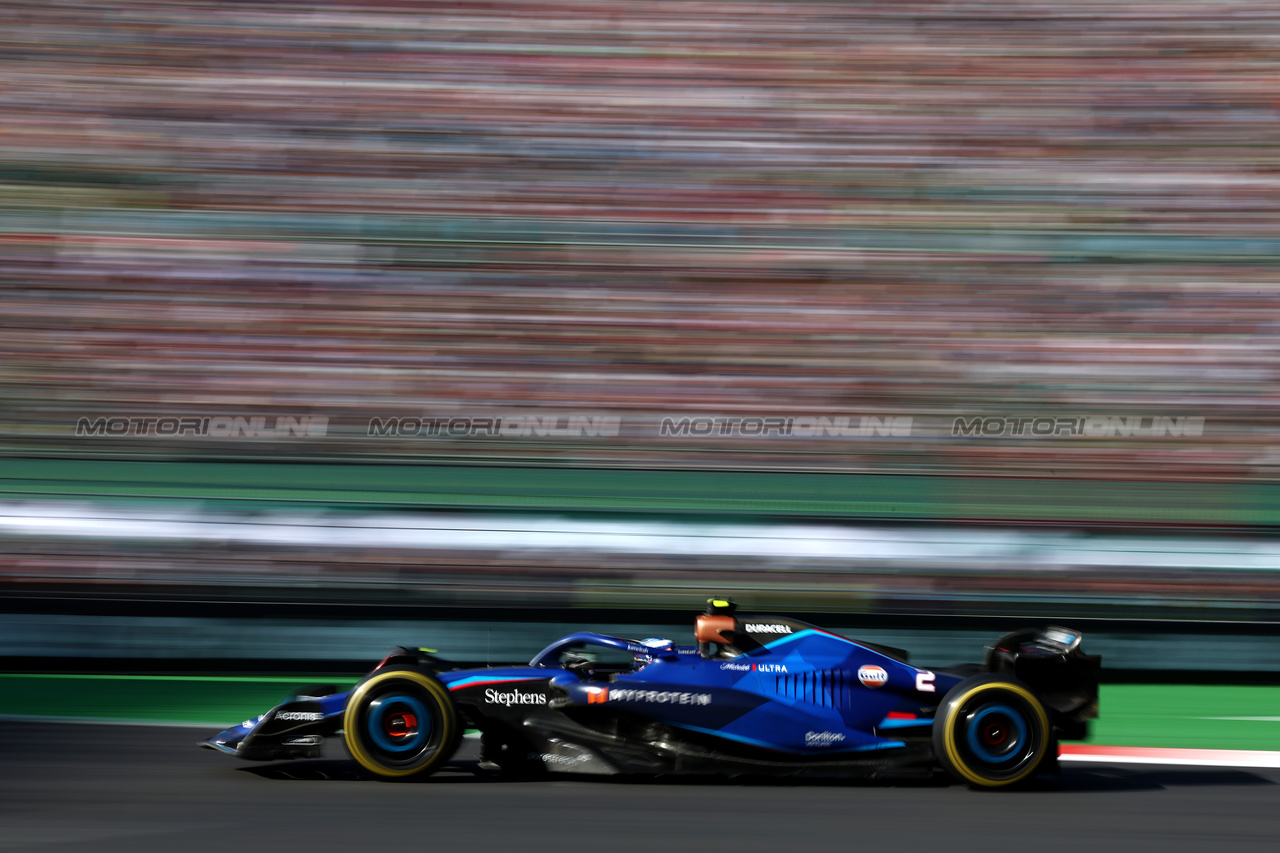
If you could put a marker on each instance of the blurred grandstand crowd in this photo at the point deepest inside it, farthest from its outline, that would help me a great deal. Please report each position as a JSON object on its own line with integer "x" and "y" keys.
{"x": 911, "y": 209}
{"x": 1235, "y": 582}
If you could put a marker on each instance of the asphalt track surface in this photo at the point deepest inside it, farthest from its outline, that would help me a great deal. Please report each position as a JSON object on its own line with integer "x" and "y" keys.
{"x": 79, "y": 787}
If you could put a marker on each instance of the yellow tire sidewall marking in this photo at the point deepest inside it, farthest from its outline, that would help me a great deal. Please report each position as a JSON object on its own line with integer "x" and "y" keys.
{"x": 350, "y": 720}
{"x": 949, "y": 733}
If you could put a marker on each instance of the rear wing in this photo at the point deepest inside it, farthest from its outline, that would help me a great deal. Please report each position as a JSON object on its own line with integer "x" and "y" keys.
{"x": 1051, "y": 662}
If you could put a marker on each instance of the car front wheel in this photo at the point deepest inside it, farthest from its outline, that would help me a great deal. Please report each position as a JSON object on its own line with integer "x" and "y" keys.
{"x": 400, "y": 723}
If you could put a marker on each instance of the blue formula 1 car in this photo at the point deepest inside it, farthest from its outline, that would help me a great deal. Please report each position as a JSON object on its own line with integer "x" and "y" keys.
{"x": 758, "y": 695}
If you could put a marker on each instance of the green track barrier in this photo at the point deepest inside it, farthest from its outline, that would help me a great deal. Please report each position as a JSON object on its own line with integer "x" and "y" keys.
{"x": 211, "y": 700}
{"x": 1195, "y": 717}
{"x": 731, "y": 493}
{"x": 1190, "y": 716}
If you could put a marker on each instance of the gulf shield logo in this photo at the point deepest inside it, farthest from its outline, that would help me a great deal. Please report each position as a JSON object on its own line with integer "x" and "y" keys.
{"x": 872, "y": 676}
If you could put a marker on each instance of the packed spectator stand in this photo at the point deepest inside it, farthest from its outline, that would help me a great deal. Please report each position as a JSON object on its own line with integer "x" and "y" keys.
{"x": 928, "y": 210}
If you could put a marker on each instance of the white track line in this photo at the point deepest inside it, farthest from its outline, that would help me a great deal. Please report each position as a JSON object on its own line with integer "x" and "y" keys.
{"x": 111, "y": 721}
{"x": 1167, "y": 756}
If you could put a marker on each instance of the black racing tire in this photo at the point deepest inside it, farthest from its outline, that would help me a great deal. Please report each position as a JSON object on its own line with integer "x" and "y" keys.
{"x": 400, "y": 723}
{"x": 992, "y": 732}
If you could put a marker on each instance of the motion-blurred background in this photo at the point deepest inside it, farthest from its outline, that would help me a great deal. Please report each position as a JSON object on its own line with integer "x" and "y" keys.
{"x": 324, "y": 324}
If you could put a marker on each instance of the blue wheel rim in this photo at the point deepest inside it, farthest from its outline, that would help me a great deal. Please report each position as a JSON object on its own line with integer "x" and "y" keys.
{"x": 389, "y": 712}
{"x": 1014, "y": 739}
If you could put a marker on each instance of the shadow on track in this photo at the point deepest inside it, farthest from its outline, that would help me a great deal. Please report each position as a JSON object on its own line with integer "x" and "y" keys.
{"x": 1073, "y": 780}
{"x": 468, "y": 771}
{"x": 1096, "y": 779}
{"x": 346, "y": 770}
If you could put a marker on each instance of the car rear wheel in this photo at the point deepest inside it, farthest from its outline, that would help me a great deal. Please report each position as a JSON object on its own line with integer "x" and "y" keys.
{"x": 400, "y": 723}
{"x": 991, "y": 732}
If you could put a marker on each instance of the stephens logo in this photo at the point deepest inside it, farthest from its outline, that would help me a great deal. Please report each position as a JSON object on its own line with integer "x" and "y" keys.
{"x": 823, "y": 738}
{"x": 754, "y": 628}
{"x": 515, "y": 697}
{"x": 872, "y": 676}
{"x": 300, "y": 716}
{"x": 598, "y": 695}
